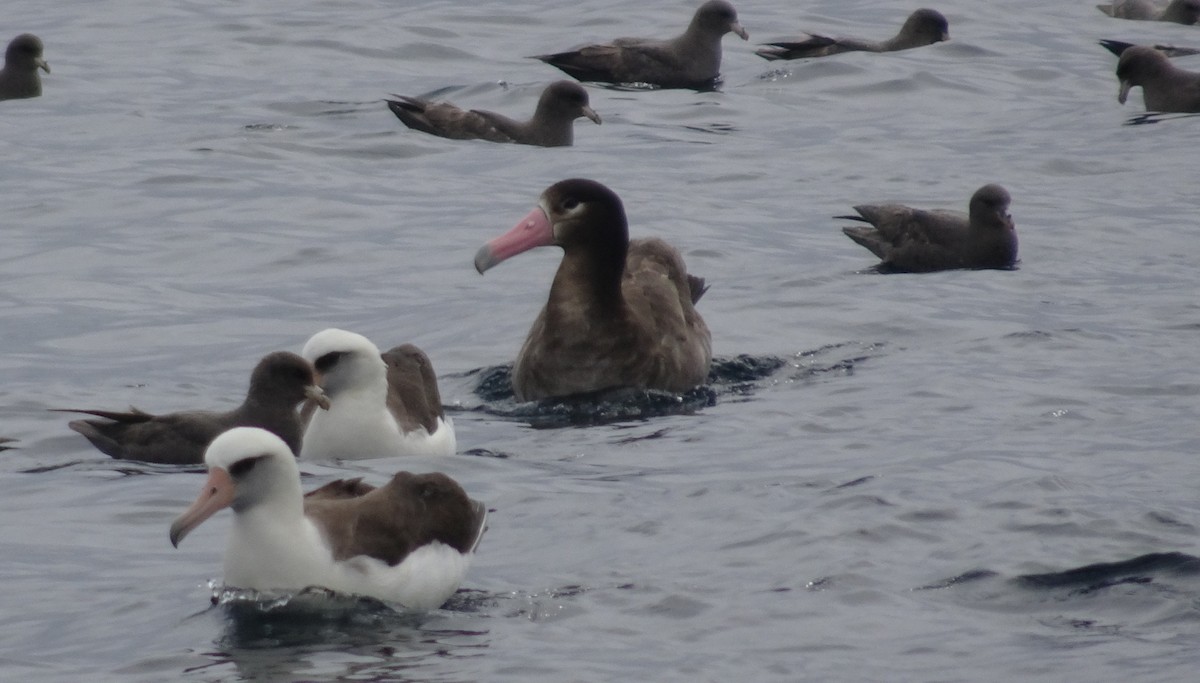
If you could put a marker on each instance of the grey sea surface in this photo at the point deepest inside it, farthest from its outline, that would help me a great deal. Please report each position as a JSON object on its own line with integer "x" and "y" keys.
{"x": 959, "y": 476}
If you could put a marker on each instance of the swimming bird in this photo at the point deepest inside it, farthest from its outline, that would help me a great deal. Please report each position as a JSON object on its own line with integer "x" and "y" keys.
{"x": 370, "y": 416}
{"x": 19, "y": 77}
{"x": 620, "y": 313}
{"x": 552, "y": 125}
{"x": 280, "y": 381}
{"x": 409, "y": 541}
{"x": 923, "y": 27}
{"x": 916, "y": 240}
{"x": 1178, "y": 11}
{"x": 690, "y": 60}
{"x": 1165, "y": 87}
{"x": 1118, "y": 47}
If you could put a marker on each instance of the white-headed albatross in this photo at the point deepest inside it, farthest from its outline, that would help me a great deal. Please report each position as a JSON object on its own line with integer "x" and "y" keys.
{"x": 372, "y": 412}
{"x": 408, "y": 542}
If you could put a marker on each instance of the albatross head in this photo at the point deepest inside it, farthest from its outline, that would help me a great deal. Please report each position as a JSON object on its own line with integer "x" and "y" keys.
{"x": 574, "y": 214}
{"x": 247, "y": 466}
{"x": 344, "y": 361}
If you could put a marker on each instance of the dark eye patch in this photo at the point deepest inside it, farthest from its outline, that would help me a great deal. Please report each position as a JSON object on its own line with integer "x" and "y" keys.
{"x": 324, "y": 363}
{"x": 243, "y": 466}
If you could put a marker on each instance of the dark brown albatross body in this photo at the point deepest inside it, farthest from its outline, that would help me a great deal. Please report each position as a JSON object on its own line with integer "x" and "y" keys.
{"x": 280, "y": 381}
{"x": 620, "y": 313}
{"x": 1165, "y": 87}
{"x": 19, "y": 78}
{"x": 917, "y": 240}
{"x": 552, "y": 125}
{"x": 389, "y": 522}
{"x": 1176, "y": 11}
{"x": 690, "y": 60}
{"x": 923, "y": 27}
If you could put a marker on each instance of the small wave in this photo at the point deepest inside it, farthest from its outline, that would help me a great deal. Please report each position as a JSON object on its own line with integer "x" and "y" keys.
{"x": 1094, "y": 577}
{"x": 736, "y": 375}
{"x": 267, "y": 619}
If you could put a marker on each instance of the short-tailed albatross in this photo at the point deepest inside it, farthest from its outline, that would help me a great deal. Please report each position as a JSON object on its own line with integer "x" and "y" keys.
{"x": 408, "y": 542}
{"x": 620, "y": 313}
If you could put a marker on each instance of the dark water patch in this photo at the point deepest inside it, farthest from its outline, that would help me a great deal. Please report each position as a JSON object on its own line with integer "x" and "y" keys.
{"x": 1169, "y": 521}
{"x": 127, "y": 468}
{"x": 1102, "y": 575}
{"x": 712, "y": 86}
{"x": 814, "y": 364}
{"x": 971, "y": 576}
{"x": 736, "y": 375}
{"x": 855, "y": 482}
{"x": 268, "y": 127}
{"x": 487, "y": 453}
{"x": 551, "y": 604}
{"x": 1151, "y": 117}
{"x": 888, "y": 269}
{"x": 312, "y": 617}
{"x": 717, "y": 128}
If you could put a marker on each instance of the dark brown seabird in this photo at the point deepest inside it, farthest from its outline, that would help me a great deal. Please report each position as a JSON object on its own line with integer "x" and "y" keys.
{"x": 620, "y": 313}
{"x": 280, "y": 381}
{"x": 1165, "y": 87}
{"x": 916, "y": 240}
{"x": 19, "y": 77}
{"x": 1177, "y": 11}
{"x": 923, "y": 27}
{"x": 407, "y": 542}
{"x": 552, "y": 125}
{"x": 413, "y": 395}
{"x": 690, "y": 60}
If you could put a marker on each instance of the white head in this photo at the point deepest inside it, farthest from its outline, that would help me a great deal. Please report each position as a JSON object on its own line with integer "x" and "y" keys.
{"x": 344, "y": 360}
{"x": 247, "y": 466}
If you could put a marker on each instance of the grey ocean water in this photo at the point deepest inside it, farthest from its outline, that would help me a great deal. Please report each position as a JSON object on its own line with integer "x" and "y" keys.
{"x": 205, "y": 182}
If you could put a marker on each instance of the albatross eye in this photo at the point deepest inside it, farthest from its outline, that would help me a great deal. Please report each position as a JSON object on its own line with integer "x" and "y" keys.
{"x": 327, "y": 361}
{"x": 242, "y": 467}
{"x": 570, "y": 203}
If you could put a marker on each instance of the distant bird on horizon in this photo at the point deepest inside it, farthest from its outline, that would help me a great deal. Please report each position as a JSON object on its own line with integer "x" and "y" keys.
{"x": 552, "y": 124}
{"x": 620, "y": 313}
{"x": 917, "y": 240}
{"x": 19, "y": 77}
{"x": 1165, "y": 87}
{"x": 1177, "y": 11}
{"x": 690, "y": 60}
{"x": 280, "y": 382}
{"x": 922, "y": 27}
